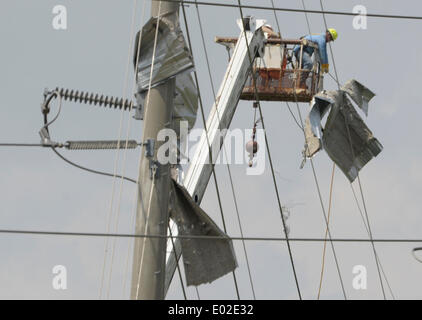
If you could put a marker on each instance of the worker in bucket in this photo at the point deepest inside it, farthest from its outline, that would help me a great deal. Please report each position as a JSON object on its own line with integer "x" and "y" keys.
{"x": 321, "y": 40}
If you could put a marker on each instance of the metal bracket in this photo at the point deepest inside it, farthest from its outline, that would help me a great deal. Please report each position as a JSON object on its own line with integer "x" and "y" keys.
{"x": 154, "y": 165}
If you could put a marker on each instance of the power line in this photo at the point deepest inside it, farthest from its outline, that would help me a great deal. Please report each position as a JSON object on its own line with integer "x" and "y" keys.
{"x": 206, "y": 132}
{"x": 343, "y": 13}
{"x": 353, "y": 154}
{"x": 313, "y": 169}
{"x": 91, "y": 170}
{"x": 271, "y": 239}
{"x": 289, "y": 249}
{"x": 225, "y": 151}
{"x": 22, "y": 145}
{"x": 329, "y": 202}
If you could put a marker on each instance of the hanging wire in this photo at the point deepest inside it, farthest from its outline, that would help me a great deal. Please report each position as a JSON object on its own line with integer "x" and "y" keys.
{"x": 271, "y": 164}
{"x": 227, "y": 165}
{"x": 209, "y": 146}
{"x": 326, "y": 231}
{"x": 127, "y": 136}
{"x": 351, "y": 148}
{"x": 53, "y": 145}
{"x": 367, "y": 230}
{"x": 177, "y": 264}
{"x": 330, "y": 198}
{"x": 116, "y": 160}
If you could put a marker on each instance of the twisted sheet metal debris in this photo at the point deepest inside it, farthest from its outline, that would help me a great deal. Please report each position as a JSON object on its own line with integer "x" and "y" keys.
{"x": 360, "y": 94}
{"x": 172, "y": 59}
{"x": 205, "y": 260}
{"x": 345, "y": 137}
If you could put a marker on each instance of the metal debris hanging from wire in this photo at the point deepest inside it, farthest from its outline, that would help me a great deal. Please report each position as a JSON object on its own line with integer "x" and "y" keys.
{"x": 345, "y": 136}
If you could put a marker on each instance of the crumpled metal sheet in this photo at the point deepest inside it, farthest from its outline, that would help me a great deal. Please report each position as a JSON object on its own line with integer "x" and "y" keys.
{"x": 345, "y": 131}
{"x": 360, "y": 94}
{"x": 172, "y": 59}
{"x": 320, "y": 105}
{"x": 313, "y": 144}
{"x": 186, "y": 101}
{"x": 172, "y": 55}
{"x": 205, "y": 260}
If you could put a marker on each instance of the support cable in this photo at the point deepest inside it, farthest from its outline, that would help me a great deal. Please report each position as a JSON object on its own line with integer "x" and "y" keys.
{"x": 116, "y": 160}
{"x": 209, "y": 147}
{"x": 153, "y": 179}
{"x": 225, "y": 153}
{"x": 54, "y": 145}
{"x": 358, "y": 176}
{"x": 271, "y": 164}
{"x": 177, "y": 264}
{"x": 330, "y": 199}
{"x": 150, "y": 236}
{"x": 127, "y": 135}
{"x": 343, "y": 13}
{"x": 367, "y": 230}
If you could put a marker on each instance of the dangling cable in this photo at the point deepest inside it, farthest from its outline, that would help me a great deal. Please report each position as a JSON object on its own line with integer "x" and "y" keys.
{"x": 53, "y": 145}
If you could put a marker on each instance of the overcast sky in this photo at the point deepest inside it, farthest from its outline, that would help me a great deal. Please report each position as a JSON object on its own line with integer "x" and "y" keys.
{"x": 38, "y": 191}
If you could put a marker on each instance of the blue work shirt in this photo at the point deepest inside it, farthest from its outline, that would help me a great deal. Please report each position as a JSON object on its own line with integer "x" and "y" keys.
{"x": 322, "y": 47}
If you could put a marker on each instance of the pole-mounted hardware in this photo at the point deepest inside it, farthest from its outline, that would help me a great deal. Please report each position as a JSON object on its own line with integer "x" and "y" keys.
{"x": 149, "y": 154}
{"x": 87, "y": 98}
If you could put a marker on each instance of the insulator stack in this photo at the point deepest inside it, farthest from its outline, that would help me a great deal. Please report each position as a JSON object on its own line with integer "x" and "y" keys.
{"x": 91, "y": 98}
{"x": 96, "y": 145}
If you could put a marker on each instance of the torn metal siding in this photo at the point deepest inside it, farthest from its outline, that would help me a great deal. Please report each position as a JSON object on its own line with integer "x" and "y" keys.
{"x": 360, "y": 94}
{"x": 186, "y": 100}
{"x": 172, "y": 55}
{"x": 172, "y": 59}
{"x": 320, "y": 105}
{"x": 313, "y": 144}
{"x": 347, "y": 139}
{"x": 205, "y": 260}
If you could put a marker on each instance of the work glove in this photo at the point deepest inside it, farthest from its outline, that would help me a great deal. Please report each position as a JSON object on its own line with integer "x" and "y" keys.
{"x": 305, "y": 41}
{"x": 324, "y": 68}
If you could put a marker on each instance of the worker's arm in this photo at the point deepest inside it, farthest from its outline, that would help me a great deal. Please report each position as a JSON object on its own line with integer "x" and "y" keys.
{"x": 322, "y": 47}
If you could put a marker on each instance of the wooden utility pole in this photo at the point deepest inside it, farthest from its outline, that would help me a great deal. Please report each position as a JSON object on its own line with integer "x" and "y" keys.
{"x": 148, "y": 271}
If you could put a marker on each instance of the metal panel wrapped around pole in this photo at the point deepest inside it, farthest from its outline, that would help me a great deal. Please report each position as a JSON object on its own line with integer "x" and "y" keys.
{"x": 172, "y": 55}
{"x": 148, "y": 271}
{"x": 205, "y": 260}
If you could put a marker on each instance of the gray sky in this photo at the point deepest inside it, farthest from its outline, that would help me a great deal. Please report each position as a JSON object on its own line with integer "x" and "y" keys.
{"x": 40, "y": 191}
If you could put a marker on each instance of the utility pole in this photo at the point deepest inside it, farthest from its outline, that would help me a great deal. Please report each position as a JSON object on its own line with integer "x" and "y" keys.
{"x": 148, "y": 271}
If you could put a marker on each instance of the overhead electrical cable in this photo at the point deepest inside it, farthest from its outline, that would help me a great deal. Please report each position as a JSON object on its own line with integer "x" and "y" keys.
{"x": 271, "y": 164}
{"x": 353, "y": 154}
{"x": 330, "y": 197}
{"x": 249, "y": 238}
{"x": 116, "y": 160}
{"x": 343, "y": 13}
{"x": 225, "y": 154}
